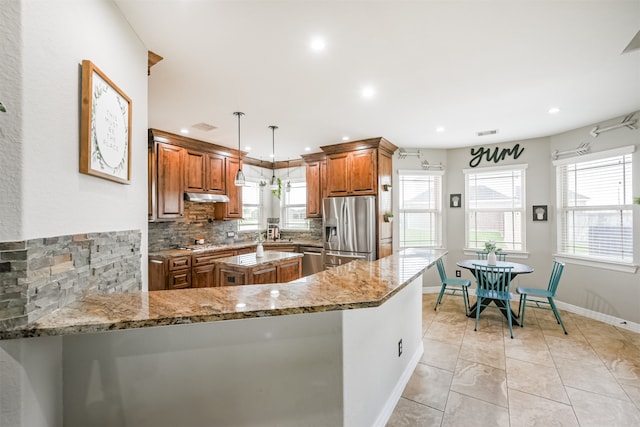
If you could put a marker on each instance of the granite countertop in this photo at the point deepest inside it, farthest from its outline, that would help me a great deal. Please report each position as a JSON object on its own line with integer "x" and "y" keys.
{"x": 251, "y": 260}
{"x": 358, "y": 284}
{"x": 195, "y": 249}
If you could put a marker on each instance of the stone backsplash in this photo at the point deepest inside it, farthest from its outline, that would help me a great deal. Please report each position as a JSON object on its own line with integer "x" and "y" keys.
{"x": 38, "y": 276}
{"x": 198, "y": 223}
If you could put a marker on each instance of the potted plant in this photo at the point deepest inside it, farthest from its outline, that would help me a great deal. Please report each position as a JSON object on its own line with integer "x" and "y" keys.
{"x": 636, "y": 200}
{"x": 259, "y": 247}
{"x": 388, "y": 217}
{"x": 491, "y": 249}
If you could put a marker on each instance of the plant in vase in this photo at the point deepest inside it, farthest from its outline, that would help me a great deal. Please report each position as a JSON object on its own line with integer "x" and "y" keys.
{"x": 259, "y": 247}
{"x": 491, "y": 249}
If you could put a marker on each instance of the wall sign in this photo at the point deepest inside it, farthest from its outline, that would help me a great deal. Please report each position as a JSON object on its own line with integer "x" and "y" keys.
{"x": 105, "y": 123}
{"x": 496, "y": 155}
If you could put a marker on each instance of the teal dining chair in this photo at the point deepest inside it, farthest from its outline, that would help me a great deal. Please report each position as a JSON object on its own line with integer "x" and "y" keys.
{"x": 539, "y": 294}
{"x": 454, "y": 285}
{"x": 501, "y": 256}
{"x": 493, "y": 285}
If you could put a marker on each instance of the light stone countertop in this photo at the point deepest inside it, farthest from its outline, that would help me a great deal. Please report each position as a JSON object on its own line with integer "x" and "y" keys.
{"x": 358, "y": 284}
{"x": 251, "y": 260}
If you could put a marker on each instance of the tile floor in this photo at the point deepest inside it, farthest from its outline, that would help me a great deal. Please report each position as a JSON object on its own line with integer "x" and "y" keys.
{"x": 590, "y": 377}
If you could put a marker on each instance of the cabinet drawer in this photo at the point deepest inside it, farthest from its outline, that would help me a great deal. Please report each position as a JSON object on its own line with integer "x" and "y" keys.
{"x": 178, "y": 262}
{"x": 180, "y": 279}
{"x": 210, "y": 257}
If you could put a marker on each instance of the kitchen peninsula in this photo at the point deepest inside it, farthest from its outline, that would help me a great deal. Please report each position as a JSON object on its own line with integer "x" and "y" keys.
{"x": 334, "y": 348}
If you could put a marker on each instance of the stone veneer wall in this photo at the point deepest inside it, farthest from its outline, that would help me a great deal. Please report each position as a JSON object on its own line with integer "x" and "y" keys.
{"x": 38, "y": 276}
{"x": 198, "y": 223}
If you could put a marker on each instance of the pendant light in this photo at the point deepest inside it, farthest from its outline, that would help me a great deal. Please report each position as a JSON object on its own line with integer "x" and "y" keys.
{"x": 274, "y": 181}
{"x": 288, "y": 186}
{"x": 239, "y": 180}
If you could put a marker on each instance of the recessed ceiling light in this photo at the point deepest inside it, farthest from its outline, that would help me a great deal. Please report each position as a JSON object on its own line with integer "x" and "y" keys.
{"x": 318, "y": 44}
{"x": 439, "y": 129}
{"x": 368, "y": 92}
{"x": 307, "y": 148}
{"x": 185, "y": 131}
{"x": 554, "y": 110}
{"x": 272, "y": 155}
{"x": 247, "y": 148}
{"x": 345, "y": 138}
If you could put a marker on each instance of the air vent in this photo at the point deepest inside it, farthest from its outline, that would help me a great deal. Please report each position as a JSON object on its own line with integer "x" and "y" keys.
{"x": 203, "y": 126}
{"x": 634, "y": 44}
{"x": 487, "y": 132}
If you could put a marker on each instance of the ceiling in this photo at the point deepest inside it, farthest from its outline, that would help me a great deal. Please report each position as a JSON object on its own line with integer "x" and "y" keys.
{"x": 466, "y": 66}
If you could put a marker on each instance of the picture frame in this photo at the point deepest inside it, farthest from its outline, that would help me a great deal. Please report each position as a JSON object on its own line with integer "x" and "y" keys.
{"x": 539, "y": 212}
{"x": 105, "y": 127}
{"x": 455, "y": 200}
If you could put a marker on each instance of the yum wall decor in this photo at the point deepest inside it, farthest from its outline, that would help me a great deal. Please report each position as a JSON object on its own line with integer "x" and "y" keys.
{"x": 494, "y": 155}
{"x": 105, "y": 127}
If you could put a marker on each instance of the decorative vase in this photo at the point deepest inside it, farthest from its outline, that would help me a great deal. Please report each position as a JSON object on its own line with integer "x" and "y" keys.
{"x": 259, "y": 251}
{"x": 492, "y": 259}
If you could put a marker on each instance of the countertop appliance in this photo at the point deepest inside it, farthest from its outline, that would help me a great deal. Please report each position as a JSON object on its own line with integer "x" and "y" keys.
{"x": 349, "y": 229}
{"x": 312, "y": 260}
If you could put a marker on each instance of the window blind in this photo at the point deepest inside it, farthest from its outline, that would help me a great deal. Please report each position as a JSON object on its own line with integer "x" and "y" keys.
{"x": 294, "y": 208}
{"x": 595, "y": 215}
{"x": 495, "y": 207}
{"x": 252, "y": 207}
{"x": 420, "y": 209}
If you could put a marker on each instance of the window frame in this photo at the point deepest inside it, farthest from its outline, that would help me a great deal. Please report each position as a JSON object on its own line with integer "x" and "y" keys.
{"x": 604, "y": 263}
{"x": 522, "y": 167}
{"x": 260, "y": 205}
{"x": 437, "y": 211}
{"x": 284, "y": 206}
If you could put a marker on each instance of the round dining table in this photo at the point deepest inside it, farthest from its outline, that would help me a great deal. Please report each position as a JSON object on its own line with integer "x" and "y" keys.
{"x": 516, "y": 269}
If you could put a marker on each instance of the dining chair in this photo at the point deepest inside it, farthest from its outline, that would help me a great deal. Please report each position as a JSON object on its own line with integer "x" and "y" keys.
{"x": 501, "y": 256}
{"x": 539, "y": 294}
{"x": 493, "y": 284}
{"x": 454, "y": 285}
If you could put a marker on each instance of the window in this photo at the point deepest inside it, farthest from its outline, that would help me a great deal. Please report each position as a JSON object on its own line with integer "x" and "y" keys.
{"x": 294, "y": 207}
{"x": 252, "y": 207}
{"x": 420, "y": 209}
{"x": 496, "y": 207}
{"x": 595, "y": 218}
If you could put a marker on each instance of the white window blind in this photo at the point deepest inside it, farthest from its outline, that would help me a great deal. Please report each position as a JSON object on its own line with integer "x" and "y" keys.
{"x": 420, "y": 209}
{"x": 495, "y": 205}
{"x": 294, "y": 207}
{"x": 595, "y": 218}
{"x": 252, "y": 207}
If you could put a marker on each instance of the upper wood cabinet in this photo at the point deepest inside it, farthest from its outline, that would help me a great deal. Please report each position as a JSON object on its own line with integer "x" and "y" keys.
{"x": 316, "y": 173}
{"x": 170, "y": 170}
{"x": 233, "y": 208}
{"x": 215, "y": 174}
{"x": 194, "y": 171}
{"x": 352, "y": 173}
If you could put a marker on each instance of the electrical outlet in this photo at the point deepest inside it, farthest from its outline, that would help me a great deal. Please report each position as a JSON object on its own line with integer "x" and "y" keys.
{"x": 231, "y": 233}
{"x": 400, "y": 347}
{"x": 458, "y": 273}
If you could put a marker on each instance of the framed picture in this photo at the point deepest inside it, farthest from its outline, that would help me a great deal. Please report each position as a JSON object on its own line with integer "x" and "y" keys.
{"x": 539, "y": 212}
{"x": 105, "y": 123}
{"x": 455, "y": 200}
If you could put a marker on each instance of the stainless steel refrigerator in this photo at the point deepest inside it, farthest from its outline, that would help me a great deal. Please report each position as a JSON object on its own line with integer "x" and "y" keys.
{"x": 349, "y": 229}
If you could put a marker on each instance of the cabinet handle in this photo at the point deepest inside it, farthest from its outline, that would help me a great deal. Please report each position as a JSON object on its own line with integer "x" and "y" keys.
{"x": 156, "y": 261}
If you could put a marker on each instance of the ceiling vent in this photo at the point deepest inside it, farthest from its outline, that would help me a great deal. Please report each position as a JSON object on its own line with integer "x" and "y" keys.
{"x": 487, "y": 132}
{"x": 634, "y": 44}
{"x": 204, "y": 126}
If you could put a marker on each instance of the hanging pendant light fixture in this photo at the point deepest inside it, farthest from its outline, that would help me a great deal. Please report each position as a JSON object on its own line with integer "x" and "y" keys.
{"x": 274, "y": 180}
{"x": 288, "y": 186}
{"x": 239, "y": 180}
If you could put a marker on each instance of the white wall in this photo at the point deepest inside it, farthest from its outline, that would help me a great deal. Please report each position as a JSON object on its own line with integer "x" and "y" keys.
{"x": 56, "y": 198}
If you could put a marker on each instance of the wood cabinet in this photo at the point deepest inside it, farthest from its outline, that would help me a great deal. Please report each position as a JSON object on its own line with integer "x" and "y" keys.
{"x": 173, "y": 272}
{"x": 233, "y": 208}
{"x": 250, "y": 272}
{"x": 316, "y": 180}
{"x": 289, "y": 270}
{"x": 170, "y": 171}
{"x": 352, "y": 173}
{"x": 194, "y": 171}
{"x": 280, "y": 247}
{"x": 204, "y": 268}
{"x": 264, "y": 275}
{"x": 230, "y": 276}
{"x": 215, "y": 174}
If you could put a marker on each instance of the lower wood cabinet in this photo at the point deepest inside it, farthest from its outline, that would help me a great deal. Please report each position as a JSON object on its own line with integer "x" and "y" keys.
{"x": 203, "y": 276}
{"x": 290, "y": 270}
{"x": 264, "y": 275}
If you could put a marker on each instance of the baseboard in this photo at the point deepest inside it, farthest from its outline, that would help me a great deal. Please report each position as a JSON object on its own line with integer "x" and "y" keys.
{"x": 595, "y": 315}
{"x": 394, "y": 397}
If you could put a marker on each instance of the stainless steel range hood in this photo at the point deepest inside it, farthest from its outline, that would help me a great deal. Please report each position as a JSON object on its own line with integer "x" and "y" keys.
{"x": 205, "y": 197}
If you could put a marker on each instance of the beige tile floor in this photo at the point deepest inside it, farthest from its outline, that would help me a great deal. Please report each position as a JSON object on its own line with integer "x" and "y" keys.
{"x": 590, "y": 377}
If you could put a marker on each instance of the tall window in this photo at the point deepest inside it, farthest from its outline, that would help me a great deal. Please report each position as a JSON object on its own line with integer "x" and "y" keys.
{"x": 252, "y": 207}
{"x": 595, "y": 217}
{"x": 294, "y": 207}
{"x": 420, "y": 208}
{"x": 496, "y": 207}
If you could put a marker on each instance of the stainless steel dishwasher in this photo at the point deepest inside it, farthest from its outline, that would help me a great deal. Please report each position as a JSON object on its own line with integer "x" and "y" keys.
{"x": 313, "y": 260}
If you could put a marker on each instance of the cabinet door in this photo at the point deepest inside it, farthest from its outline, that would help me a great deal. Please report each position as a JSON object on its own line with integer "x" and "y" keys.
{"x": 264, "y": 275}
{"x": 228, "y": 277}
{"x": 215, "y": 172}
{"x": 203, "y": 276}
{"x": 280, "y": 248}
{"x": 180, "y": 279}
{"x": 170, "y": 182}
{"x": 151, "y": 172}
{"x": 233, "y": 208}
{"x": 337, "y": 174}
{"x": 157, "y": 274}
{"x": 194, "y": 171}
{"x": 290, "y": 270}
{"x": 314, "y": 190}
{"x": 363, "y": 172}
